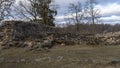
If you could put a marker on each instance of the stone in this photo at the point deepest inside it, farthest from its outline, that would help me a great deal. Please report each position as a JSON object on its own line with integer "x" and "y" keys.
{"x": 59, "y": 58}
{"x": 2, "y": 60}
{"x": 38, "y": 60}
{"x": 114, "y": 62}
{"x": 23, "y": 60}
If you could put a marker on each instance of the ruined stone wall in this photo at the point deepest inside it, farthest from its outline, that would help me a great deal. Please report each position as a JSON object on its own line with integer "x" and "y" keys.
{"x": 34, "y": 35}
{"x": 30, "y": 34}
{"x": 19, "y": 33}
{"x": 111, "y": 38}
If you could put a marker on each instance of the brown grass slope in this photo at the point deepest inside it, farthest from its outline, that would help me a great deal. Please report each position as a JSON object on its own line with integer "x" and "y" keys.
{"x": 65, "y": 57}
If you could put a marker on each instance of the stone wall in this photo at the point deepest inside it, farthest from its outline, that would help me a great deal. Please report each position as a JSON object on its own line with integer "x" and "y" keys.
{"x": 111, "y": 38}
{"x": 22, "y": 34}
{"x": 35, "y": 36}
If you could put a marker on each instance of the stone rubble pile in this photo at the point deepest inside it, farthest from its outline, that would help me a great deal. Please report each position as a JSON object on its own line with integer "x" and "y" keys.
{"x": 111, "y": 38}
{"x": 38, "y": 36}
{"x": 25, "y": 34}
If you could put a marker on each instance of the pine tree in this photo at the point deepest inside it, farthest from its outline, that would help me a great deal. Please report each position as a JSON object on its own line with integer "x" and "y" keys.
{"x": 42, "y": 9}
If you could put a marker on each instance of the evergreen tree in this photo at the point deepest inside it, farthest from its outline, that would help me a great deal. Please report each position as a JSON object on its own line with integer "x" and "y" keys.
{"x": 42, "y": 9}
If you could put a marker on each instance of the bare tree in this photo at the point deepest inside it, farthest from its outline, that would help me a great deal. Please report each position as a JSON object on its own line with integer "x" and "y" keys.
{"x": 75, "y": 11}
{"x": 5, "y": 8}
{"x": 75, "y": 15}
{"x": 40, "y": 11}
{"x": 92, "y": 14}
{"x": 25, "y": 11}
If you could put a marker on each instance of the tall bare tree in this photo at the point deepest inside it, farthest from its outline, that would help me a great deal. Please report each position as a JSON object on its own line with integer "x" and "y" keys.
{"x": 41, "y": 11}
{"x": 23, "y": 10}
{"x": 5, "y": 8}
{"x": 91, "y": 12}
{"x": 76, "y": 14}
{"x": 75, "y": 11}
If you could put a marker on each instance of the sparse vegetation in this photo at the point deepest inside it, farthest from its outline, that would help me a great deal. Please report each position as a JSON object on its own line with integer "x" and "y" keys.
{"x": 37, "y": 43}
{"x": 64, "y": 57}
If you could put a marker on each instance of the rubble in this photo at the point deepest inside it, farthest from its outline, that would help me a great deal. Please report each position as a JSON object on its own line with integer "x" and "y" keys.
{"x": 39, "y": 36}
{"x": 111, "y": 38}
{"x": 24, "y": 34}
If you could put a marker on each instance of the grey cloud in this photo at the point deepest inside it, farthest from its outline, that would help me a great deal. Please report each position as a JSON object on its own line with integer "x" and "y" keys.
{"x": 104, "y": 2}
{"x": 64, "y": 3}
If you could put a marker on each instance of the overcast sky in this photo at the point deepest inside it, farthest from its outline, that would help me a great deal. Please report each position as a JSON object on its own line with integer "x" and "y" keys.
{"x": 109, "y": 10}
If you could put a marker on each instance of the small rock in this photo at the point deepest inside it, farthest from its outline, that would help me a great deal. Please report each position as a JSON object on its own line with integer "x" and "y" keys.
{"x": 37, "y": 60}
{"x": 22, "y": 60}
{"x": 59, "y": 58}
{"x": 2, "y": 59}
{"x": 114, "y": 62}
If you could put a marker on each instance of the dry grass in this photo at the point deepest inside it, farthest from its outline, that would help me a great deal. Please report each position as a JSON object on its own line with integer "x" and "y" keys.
{"x": 64, "y": 57}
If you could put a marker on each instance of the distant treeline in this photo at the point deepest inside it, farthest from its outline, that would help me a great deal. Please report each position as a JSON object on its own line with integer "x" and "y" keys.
{"x": 90, "y": 28}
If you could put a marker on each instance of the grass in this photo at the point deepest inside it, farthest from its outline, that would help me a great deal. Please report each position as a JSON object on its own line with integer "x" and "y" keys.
{"x": 63, "y": 57}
